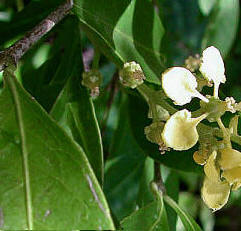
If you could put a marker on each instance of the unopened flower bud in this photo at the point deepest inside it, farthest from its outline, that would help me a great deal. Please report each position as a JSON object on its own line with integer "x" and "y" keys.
{"x": 193, "y": 63}
{"x": 153, "y": 132}
{"x": 91, "y": 79}
{"x": 131, "y": 75}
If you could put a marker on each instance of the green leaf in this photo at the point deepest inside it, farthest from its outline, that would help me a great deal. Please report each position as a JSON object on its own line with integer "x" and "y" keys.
{"x": 123, "y": 169}
{"x": 64, "y": 59}
{"x": 223, "y": 21}
{"x": 206, "y": 6}
{"x": 172, "y": 189}
{"x": 145, "y": 196}
{"x": 187, "y": 220}
{"x": 46, "y": 179}
{"x": 149, "y": 218}
{"x": 124, "y": 31}
{"x": 75, "y": 112}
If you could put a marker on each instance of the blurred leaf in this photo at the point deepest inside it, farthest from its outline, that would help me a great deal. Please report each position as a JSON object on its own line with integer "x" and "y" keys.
{"x": 207, "y": 218}
{"x": 124, "y": 31}
{"x": 184, "y": 26}
{"x": 187, "y": 220}
{"x": 26, "y": 19}
{"x": 45, "y": 177}
{"x": 123, "y": 169}
{"x": 206, "y": 6}
{"x": 189, "y": 203}
{"x": 137, "y": 110}
{"x": 149, "y": 218}
{"x": 222, "y": 27}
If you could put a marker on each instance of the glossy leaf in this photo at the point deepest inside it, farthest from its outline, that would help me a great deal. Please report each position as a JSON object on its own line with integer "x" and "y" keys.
{"x": 145, "y": 196}
{"x": 122, "y": 170}
{"x": 74, "y": 111}
{"x": 187, "y": 220}
{"x": 124, "y": 31}
{"x": 149, "y": 218}
{"x": 46, "y": 179}
{"x": 223, "y": 21}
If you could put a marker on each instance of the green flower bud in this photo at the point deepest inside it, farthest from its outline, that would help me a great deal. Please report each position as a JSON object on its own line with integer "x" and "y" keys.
{"x": 215, "y": 108}
{"x": 91, "y": 79}
{"x": 193, "y": 63}
{"x": 131, "y": 75}
{"x": 153, "y": 132}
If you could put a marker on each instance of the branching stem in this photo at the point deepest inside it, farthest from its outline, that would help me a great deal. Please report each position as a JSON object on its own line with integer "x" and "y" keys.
{"x": 12, "y": 54}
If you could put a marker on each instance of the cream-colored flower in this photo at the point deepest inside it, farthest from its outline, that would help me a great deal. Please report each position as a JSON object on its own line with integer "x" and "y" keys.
{"x": 233, "y": 176}
{"x": 229, "y": 158}
{"x": 230, "y": 162}
{"x": 211, "y": 170}
{"x": 212, "y": 67}
{"x": 180, "y": 131}
{"x": 215, "y": 194}
{"x": 180, "y": 85}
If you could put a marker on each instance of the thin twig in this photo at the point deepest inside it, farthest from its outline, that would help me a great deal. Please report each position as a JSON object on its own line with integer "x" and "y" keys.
{"x": 158, "y": 178}
{"x": 18, "y": 49}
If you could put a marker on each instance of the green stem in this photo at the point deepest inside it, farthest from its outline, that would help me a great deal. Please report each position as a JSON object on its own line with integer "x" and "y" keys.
{"x": 226, "y": 133}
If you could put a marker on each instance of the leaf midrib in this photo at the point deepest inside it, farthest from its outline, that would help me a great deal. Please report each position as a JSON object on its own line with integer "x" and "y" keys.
{"x": 9, "y": 78}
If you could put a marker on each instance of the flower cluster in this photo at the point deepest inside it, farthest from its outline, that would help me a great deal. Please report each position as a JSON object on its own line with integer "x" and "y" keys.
{"x": 222, "y": 164}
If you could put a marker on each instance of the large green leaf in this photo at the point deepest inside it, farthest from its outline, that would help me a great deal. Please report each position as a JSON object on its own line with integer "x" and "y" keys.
{"x": 123, "y": 169}
{"x": 75, "y": 112}
{"x": 145, "y": 196}
{"x": 149, "y": 218}
{"x": 223, "y": 25}
{"x": 46, "y": 179}
{"x": 124, "y": 31}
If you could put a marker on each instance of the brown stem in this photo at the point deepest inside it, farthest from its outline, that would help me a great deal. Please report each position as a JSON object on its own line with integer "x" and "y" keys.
{"x": 18, "y": 49}
{"x": 158, "y": 178}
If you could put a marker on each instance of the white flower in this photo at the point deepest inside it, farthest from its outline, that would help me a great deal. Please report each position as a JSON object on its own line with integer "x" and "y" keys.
{"x": 180, "y": 85}
{"x": 180, "y": 131}
{"x": 212, "y": 67}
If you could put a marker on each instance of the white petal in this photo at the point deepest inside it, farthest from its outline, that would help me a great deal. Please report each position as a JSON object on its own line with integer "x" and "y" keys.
{"x": 212, "y": 67}
{"x": 180, "y": 131}
{"x": 180, "y": 85}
